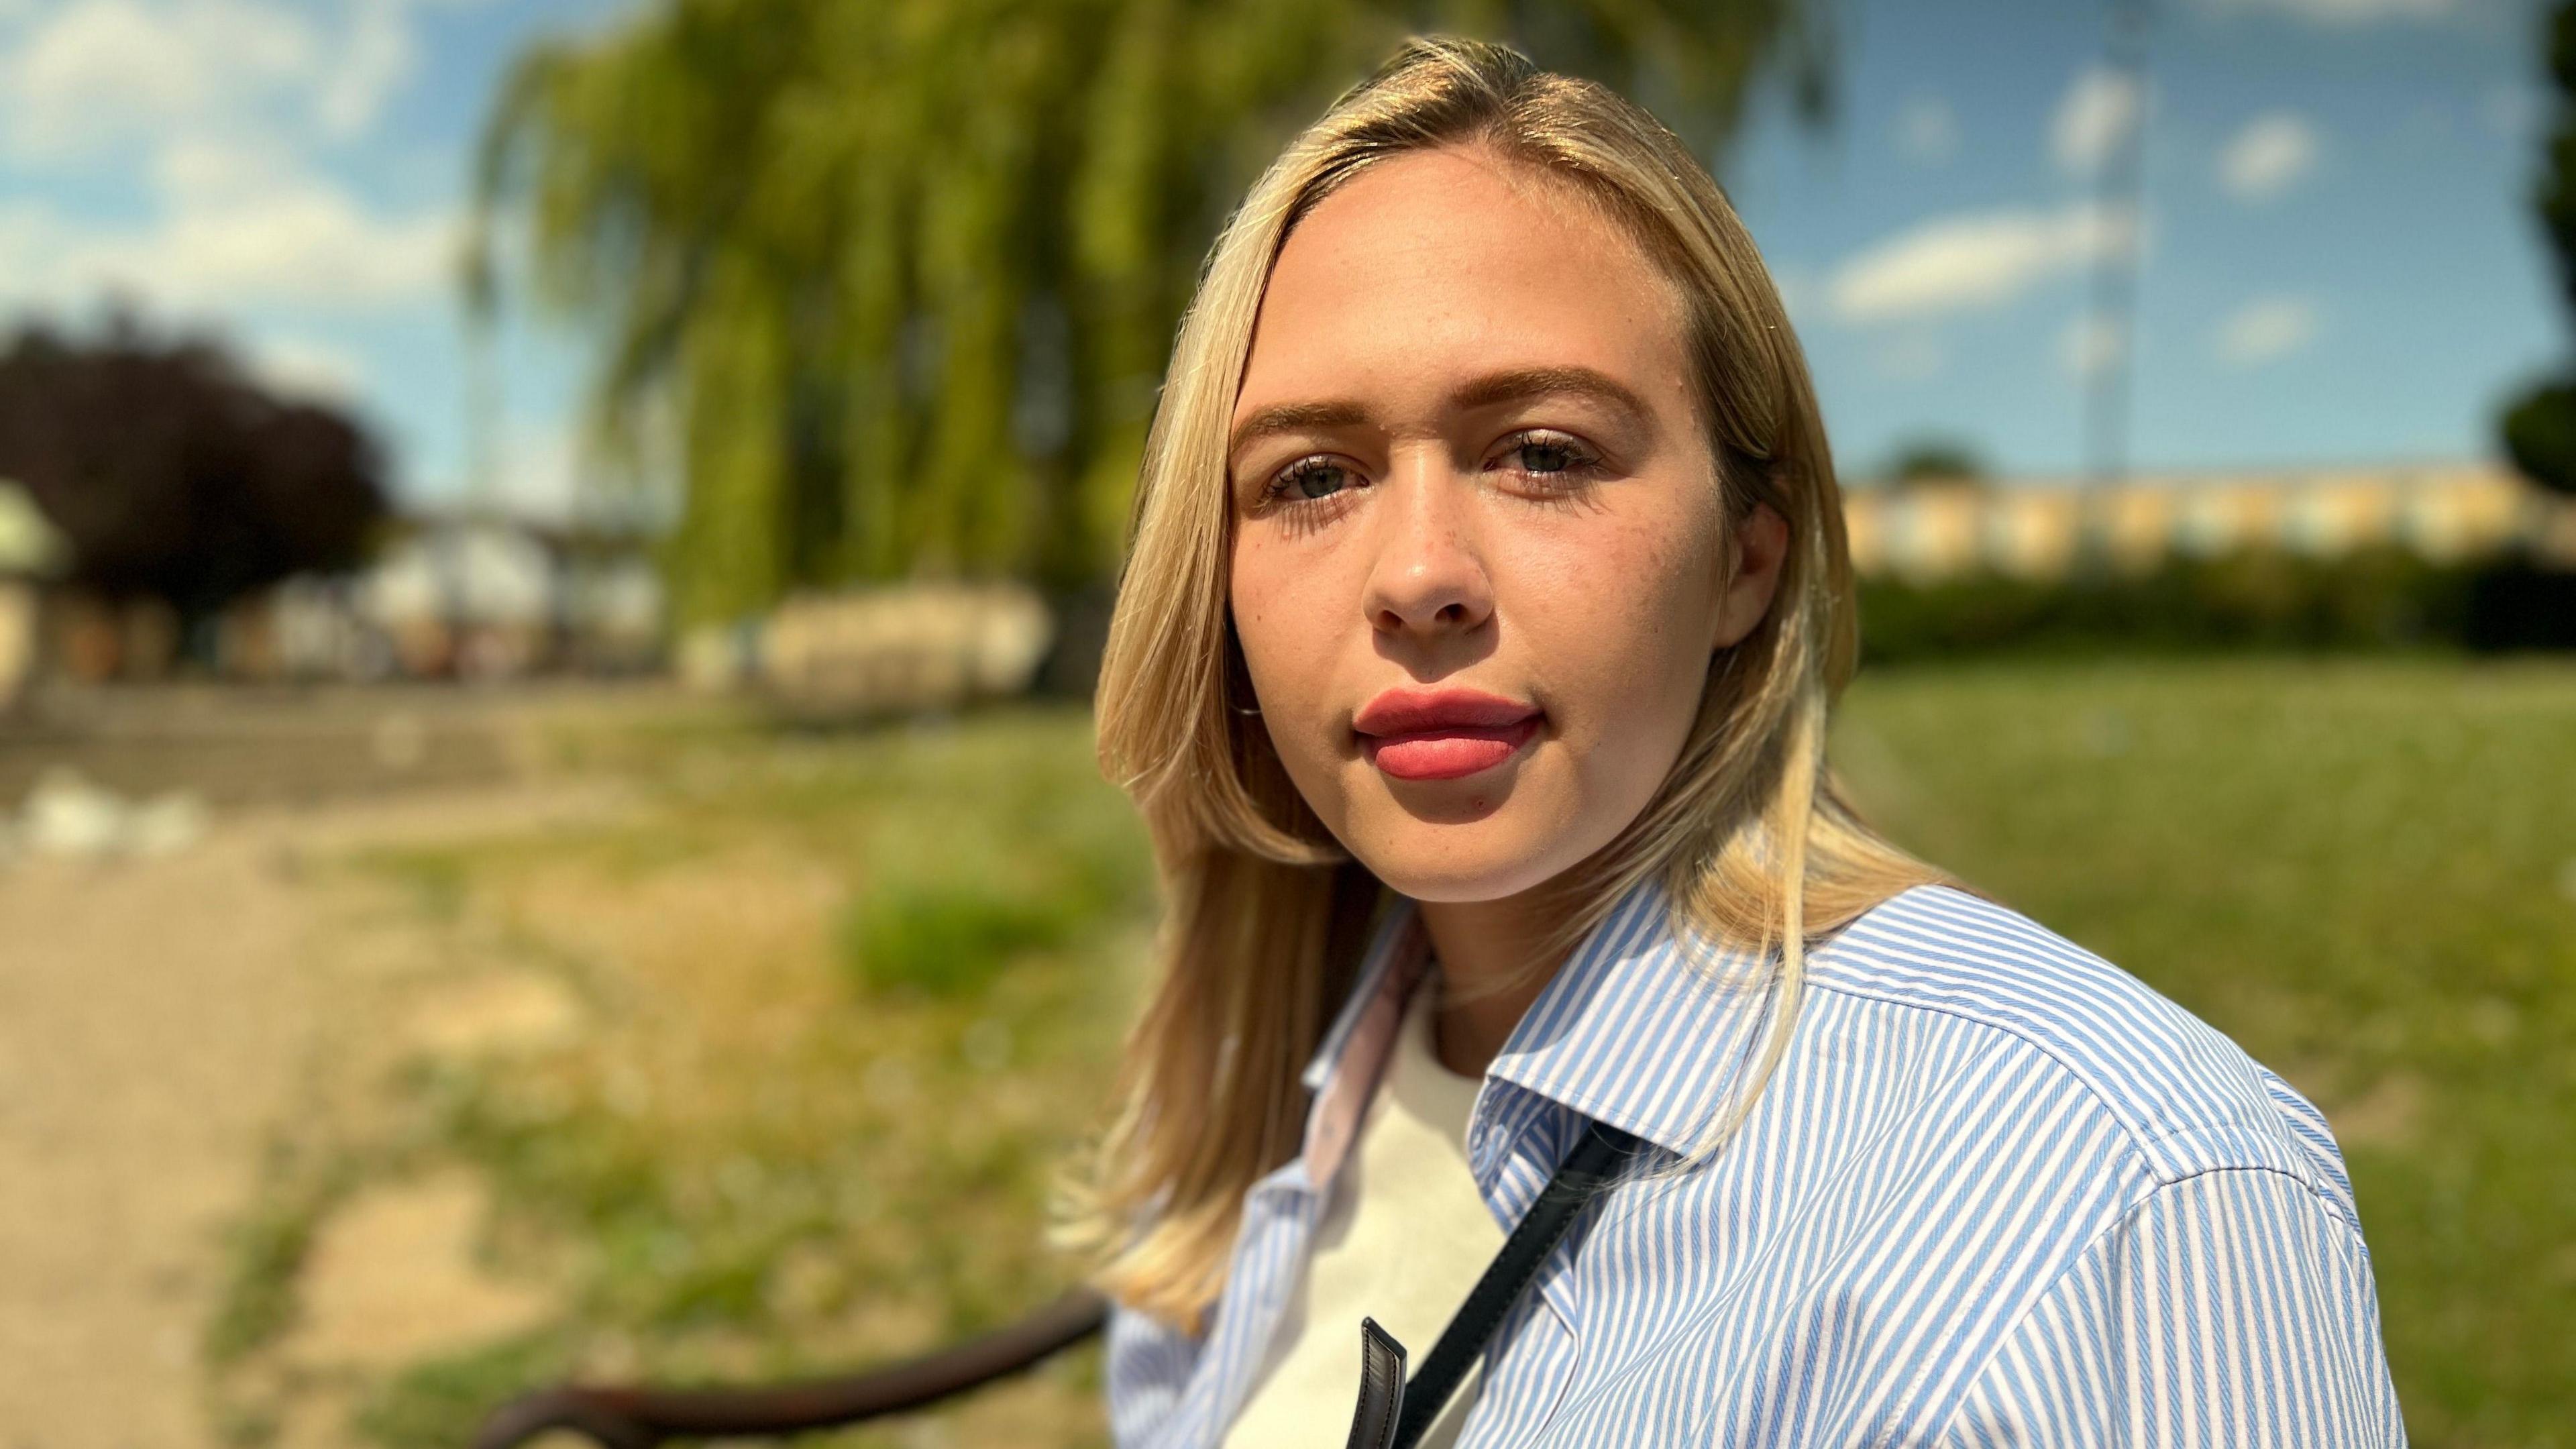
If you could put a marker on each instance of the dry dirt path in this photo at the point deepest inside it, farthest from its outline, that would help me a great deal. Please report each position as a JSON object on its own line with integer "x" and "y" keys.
{"x": 156, "y": 1017}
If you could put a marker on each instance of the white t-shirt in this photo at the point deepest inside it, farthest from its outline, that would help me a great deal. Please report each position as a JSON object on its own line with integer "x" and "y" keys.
{"x": 1403, "y": 1238}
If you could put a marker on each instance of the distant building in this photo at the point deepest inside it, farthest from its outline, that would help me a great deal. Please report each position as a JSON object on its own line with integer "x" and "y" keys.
{"x": 469, "y": 594}
{"x": 31, "y": 550}
{"x": 2040, "y": 528}
{"x": 466, "y": 595}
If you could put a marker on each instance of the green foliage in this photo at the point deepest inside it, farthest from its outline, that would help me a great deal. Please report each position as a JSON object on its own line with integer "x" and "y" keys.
{"x": 1943, "y": 460}
{"x": 2540, "y": 426}
{"x": 949, "y": 939}
{"x": 948, "y": 934}
{"x": 436, "y": 879}
{"x": 2251, "y": 599}
{"x": 258, "y": 1302}
{"x": 2556, "y": 193}
{"x": 2540, "y": 436}
{"x": 439, "y": 1404}
{"x": 902, "y": 275}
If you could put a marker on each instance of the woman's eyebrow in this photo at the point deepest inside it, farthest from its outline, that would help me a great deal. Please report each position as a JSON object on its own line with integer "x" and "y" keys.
{"x": 1520, "y": 384}
{"x": 1515, "y": 385}
{"x": 1294, "y": 418}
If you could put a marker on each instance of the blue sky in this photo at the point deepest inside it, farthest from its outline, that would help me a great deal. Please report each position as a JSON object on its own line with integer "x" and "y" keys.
{"x": 2336, "y": 257}
{"x": 290, "y": 173}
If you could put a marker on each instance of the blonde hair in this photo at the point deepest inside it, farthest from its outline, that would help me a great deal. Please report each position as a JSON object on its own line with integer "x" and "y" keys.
{"x": 1266, "y": 913}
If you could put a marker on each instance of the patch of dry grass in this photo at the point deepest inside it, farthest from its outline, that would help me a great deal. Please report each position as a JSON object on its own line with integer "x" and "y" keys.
{"x": 747, "y": 1155}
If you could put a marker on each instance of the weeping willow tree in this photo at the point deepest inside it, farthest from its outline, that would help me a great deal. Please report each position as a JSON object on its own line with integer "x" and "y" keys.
{"x": 896, "y": 278}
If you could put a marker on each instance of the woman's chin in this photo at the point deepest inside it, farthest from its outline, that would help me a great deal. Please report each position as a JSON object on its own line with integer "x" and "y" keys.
{"x": 1486, "y": 860}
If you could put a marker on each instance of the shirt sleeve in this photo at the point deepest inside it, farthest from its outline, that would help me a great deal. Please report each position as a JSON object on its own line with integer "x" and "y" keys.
{"x": 2230, "y": 1308}
{"x": 1147, "y": 1363}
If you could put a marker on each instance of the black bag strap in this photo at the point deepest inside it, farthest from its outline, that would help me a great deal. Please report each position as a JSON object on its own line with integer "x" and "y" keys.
{"x": 1373, "y": 1422}
{"x": 1586, "y": 1171}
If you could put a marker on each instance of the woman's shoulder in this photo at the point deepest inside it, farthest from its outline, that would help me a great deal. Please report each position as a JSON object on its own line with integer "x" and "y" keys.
{"x": 2184, "y": 1098}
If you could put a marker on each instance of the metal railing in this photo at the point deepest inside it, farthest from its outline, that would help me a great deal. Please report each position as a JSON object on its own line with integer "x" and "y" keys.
{"x": 636, "y": 1417}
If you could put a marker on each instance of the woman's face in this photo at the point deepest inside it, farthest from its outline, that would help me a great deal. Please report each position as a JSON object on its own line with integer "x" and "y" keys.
{"x": 1478, "y": 531}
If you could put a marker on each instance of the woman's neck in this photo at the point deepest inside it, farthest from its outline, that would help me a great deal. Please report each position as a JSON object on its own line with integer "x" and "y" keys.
{"x": 1494, "y": 961}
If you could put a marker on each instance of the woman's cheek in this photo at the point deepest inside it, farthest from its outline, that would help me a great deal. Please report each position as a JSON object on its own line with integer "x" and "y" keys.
{"x": 1293, "y": 684}
{"x": 1638, "y": 673}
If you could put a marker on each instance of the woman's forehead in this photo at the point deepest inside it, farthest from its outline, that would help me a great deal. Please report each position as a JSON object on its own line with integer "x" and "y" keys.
{"x": 1442, "y": 264}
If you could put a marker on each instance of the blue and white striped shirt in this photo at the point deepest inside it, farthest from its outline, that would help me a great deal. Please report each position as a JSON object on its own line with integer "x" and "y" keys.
{"x": 1999, "y": 1192}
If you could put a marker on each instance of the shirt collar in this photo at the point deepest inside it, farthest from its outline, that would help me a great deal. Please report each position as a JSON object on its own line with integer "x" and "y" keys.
{"x": 1630, "y": 1031}
{"x": 1345, "y": 1069}
{"x": 1635, "y": 1032}
{"x": 1394, "y": 958}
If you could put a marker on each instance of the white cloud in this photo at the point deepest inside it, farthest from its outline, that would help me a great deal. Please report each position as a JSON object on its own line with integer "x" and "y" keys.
{"x": 206, "y": 170}
{"x": 309, "y": 243}
{"x": 97, "y": 73}
{"x": 224, "y": 110}
{"x": 2266, "y": 329}
{"x": 89, "y": 76}
{"x": 1976, "y": 259}
{"x": 33, "y": 241}
{"x": 1927, "y": 130}
{"x": 2268, "y": 156}
{"x": 380, "y": 56}
{"x": 2091, "y": 343}
{"x": 2345, "y": 14}
{"x": 2100, "y": 111}
{"x": 237, "y": 229}
{"x": 307, "y": 367}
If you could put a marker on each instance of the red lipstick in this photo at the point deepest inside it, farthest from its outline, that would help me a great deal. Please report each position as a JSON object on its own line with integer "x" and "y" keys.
{"x": 1443, "y": 734}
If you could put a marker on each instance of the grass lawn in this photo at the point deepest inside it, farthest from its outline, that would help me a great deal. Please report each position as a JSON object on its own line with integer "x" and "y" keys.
{"x": 848, "y": 998}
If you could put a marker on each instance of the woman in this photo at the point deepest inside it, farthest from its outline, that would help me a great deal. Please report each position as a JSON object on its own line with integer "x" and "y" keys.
{"x": 1471, "y": 666}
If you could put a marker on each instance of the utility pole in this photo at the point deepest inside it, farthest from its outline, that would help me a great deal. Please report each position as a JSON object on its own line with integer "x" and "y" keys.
{"x": 2118, "y": 212}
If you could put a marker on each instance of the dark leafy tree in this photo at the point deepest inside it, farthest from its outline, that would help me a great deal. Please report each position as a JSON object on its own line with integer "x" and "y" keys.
{"x": 1936, "y": 460}
{"x": 898, "y": 277}
{"x": 172, "y": 475}
{"x": 2540, "y": 429}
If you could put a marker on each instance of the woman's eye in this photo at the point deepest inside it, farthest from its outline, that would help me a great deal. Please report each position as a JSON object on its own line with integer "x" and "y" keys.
{"x": 1312, "y": 479}
{"x": 1546, "y": 455}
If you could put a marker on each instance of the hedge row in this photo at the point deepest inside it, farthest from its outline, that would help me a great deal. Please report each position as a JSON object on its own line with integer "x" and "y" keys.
{"x": 2250, "y": 600}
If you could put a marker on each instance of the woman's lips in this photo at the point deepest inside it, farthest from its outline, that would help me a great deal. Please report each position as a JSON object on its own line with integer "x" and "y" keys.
{"x": 1447, "y": 754}
{"x": 1443, "y": 734}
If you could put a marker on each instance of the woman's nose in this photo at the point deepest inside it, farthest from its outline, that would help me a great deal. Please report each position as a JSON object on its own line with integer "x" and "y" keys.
{"x": 1428, "y": 576}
